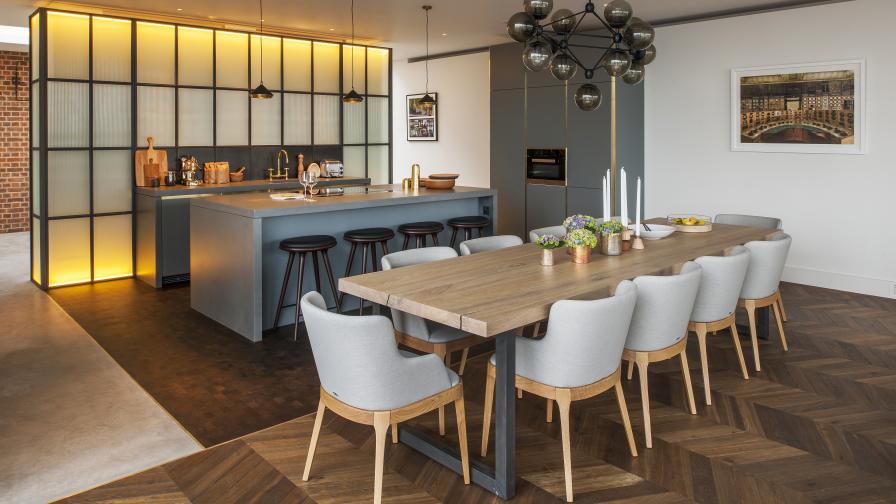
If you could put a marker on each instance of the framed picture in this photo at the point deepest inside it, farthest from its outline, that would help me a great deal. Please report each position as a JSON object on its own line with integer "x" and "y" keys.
{"x": 816, "y": 108}
{"x": 423, "y": 119}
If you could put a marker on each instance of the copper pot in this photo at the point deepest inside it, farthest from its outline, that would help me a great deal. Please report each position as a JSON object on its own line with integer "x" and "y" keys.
{"x": 581, "y": 255}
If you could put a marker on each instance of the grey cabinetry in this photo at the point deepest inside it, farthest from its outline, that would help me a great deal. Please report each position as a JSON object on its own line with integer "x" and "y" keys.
{"x": 506, "y": 69}
{"x": 588, "y": 141}
{"x": 545, "y": 205}
{"x": 545, "y": 117}
{"x": 584, "y": 200}
{"x": 175, "y": 238}
{"x": 508, "y": 159}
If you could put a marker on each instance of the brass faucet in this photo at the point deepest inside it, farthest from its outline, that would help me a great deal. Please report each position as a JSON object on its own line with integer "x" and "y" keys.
{"x": 280, "y": 174}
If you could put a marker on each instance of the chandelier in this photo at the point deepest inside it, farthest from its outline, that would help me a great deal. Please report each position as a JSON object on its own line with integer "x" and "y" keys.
{"x": 626, "y": 42}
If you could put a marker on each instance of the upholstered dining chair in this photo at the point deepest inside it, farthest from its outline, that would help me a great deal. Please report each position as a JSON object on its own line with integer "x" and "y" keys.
{"x": 578, "y": 358}
{"x": 488, "y": 243}
{"x": 760, "y": 288}
{"x": 424, "y": 335}
{"x": 714, "y": 308}
{"x": 366, "y": 379}
{"x": 659, "y": 329}
{"x": 558, "y": 231}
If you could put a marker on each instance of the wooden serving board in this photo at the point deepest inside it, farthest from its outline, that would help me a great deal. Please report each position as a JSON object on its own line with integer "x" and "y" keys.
{"x": 692, "y": 229}
{"x": 149, "y": 163}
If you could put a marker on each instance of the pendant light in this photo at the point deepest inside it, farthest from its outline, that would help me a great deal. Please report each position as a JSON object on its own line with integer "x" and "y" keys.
{"x": 427, "y": 98}
{"x": 261, "y": 92}
{"x": 353, "y": 96}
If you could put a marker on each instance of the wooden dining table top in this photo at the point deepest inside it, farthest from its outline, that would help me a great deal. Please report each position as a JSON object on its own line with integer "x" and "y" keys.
{"x": 492, "y": 292}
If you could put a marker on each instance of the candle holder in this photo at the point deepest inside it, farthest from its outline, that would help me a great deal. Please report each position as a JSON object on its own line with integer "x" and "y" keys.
{"x": 637, "y": 243}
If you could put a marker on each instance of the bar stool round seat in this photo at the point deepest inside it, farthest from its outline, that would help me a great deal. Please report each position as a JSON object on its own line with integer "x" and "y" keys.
{"x": 367, "y": 238}
{"x": 367, "y": 235}
{"x": 300, "y": 246}
{"x": 311, "y": 243}
{"x": 419, "y": 230}
{"x": 468, "y": 224}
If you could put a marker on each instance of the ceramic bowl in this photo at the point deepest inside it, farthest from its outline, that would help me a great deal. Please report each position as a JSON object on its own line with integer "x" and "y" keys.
{"x": 657, "y": 231}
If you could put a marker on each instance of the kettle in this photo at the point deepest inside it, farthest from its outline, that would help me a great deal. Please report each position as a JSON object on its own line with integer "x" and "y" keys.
{"x": 189, "y": 171}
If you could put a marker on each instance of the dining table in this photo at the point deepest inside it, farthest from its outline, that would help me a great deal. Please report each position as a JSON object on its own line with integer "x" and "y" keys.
{"x": 494, "y": 294}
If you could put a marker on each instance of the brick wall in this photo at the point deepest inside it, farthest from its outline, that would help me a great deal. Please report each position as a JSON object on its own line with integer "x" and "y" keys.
{"x": 13, "y": 143}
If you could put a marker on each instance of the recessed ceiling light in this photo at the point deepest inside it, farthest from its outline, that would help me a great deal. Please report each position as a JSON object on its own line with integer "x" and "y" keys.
{"x": 332, "y": 29}
{"x": 179, "y": 9}
{"x": 444, "y": 34}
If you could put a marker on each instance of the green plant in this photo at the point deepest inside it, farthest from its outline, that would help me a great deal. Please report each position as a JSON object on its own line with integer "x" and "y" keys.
{"x": 581, "y": 238}
{"x": 549, "y": 242}
{"x": 580, "y": 221}
{"x": 611, "y": 227}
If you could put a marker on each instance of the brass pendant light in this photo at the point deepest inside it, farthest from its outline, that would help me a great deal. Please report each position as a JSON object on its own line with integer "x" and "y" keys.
{"x": 353, "y": 96}
{"x": 427, "y": 98}
{"x": 260, "y": 91}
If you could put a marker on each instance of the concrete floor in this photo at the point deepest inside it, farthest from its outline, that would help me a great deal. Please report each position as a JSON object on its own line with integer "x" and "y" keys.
{"x": 70, "y": 417}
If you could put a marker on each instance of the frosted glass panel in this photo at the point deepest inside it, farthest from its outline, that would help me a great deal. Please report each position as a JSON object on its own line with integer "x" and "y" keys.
{"x": 194, "y": 126}
{"x": 326, "y": 67}
{"x": 155, "y": 115}
{"x": 112, "y": 173}
{"x": 326, "y": 119}
{"x": 35, "y": 46}
{"x": 377, "y": 71}
{"x": 112, "y": 247}
{"x": 233, "y": 118}
{"x": 67, "y": 119}
{"x": 111, "y": 49}
{"x": 35, "y": 118}
{"x": 347, "y": 68}
{"x": 69, "y": 251}
{"x": 297, "y": 119}
{"x": 231, "y": 59}
{"x": 266, "y": 121}
{"x": 271, "y": 72}
{"x": 353, "y": 123}
{"x": 155, "y": 53}
{"x": 35, "y": 182}
{"x": 354, "y": 159}
{"x": 111, "y": 115}
{"x": 377, "y": 120}
{"x": 35, "y": 250}
{"x": 378, "y": 164}
{"x": 68, "y": 183}
{"x": 194, "y": 56}
{"x": 68, "y": 40}
{"x": 296, "y": 65}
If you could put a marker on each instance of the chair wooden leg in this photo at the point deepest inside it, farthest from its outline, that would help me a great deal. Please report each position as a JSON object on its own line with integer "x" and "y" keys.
{"x": 740, "y": 352}
{"x": 704, "y": 361}
{"x": 442, "y": 352}
{"x": 623, "y": 410}
{"x": 315, "y": 433}
{"x": 631, "y": 370}
{"x": 778, "y": 320}
{"x": 751, "y": 316}
{"x": 380, "y": 425}
{"x": 519, "y": 393}
{"x": 463, "y": 361}
{"x": 781, "y": 307}
{"x": 550, "y": 411}
{"x": 563, "y": 403}
{"x": 394, "y": 433}
{"x": 641, "y": 361}
{"x": 462, "y": 438}
{"x": 487, "y": 412}
{"x": 686, "y": 374}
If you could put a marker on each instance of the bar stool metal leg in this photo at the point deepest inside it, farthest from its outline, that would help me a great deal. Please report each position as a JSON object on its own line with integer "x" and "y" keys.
{"x": 453, "y": 237}
{"x": 435, "y": 239}
{"x": 332, "y": 280}
{"x": 407, "y": 239}
{"x": 348, "y": 271}
{"x": 283, "y": 289}
{"x": 295, "y": 332}
{"x": 316, "y": 271}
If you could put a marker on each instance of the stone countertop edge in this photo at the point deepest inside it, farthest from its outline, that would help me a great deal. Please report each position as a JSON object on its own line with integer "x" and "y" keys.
{"x": 244, "y": 186}
{"x": 259, "y": 205}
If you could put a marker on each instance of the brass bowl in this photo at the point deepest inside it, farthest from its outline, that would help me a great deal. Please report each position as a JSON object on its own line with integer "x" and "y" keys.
{"x": 437, "y": 183}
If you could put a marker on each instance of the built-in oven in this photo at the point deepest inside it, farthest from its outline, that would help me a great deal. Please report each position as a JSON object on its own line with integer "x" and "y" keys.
{"x": 546, "y": 166}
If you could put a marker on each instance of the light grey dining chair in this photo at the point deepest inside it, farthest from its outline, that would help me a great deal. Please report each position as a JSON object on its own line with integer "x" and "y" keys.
{"x": 364, "y": 378}
{"x": 760, "y": 288}
{"x": 424, "y": 335}
{"x": 659, "y": 329}
{"x": 617, "y": 218}
{"x": 558, "y": 231}
{"x": 488, "y": 243}
{"x": 578, "y": 358}
{"x": 714, "y": 309}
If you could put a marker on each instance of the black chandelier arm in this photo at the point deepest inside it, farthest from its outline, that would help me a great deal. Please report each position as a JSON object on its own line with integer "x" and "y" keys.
{"x": 553, "y": 21}
{"x": 592, "y": 35}
{"x": 590, "y": 46}
{"x": 607, "y": 26}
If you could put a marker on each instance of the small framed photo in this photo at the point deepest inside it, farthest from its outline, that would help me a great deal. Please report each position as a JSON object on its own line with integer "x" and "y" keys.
{"x": 815, "y": 108}
{"x": 423, "y": 119}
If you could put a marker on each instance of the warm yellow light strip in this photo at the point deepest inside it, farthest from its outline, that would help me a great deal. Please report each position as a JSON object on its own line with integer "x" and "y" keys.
{"x": 111, "y": 20}
{"x": 265, "y": 37}
{"x": 70, "y": 282}
{"x": 112, "y": 277}
{"x": 68, "y": 14}
{"x": 159, "y": 25}
{"x": 190, "y": 28}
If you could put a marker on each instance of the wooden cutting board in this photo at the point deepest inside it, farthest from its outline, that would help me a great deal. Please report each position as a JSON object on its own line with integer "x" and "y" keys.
{"x": 150, "y": 163}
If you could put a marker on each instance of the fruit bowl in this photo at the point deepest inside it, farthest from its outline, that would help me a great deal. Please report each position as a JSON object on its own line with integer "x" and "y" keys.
{"x": 690, "y": 223}
{"x": 657, "y": 231}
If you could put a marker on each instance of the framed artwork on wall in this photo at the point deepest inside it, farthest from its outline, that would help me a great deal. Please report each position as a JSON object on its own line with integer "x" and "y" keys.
{"x": 815, "y": 108}
{"x": 423, "y": 119}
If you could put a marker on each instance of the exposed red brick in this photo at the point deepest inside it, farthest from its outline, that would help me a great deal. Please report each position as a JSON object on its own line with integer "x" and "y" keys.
{"x": 14, "y": 143}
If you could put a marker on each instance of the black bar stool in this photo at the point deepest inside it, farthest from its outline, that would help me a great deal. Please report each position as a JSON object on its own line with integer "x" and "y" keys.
{"x": 301, "y": 245}
{"x": 367, "y": 238}
{"x": 468, "y": 224}
{"x": 419, "y": 230}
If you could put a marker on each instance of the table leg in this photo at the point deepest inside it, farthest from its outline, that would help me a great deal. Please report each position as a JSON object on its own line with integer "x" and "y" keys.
{"x": 762, "y": 324}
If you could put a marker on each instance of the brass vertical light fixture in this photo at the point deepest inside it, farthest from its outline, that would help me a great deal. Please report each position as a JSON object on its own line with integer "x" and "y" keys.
{"x": 353, "y": 96}
{"x": 427, "y": 98}
{"x": 260, "y": 91}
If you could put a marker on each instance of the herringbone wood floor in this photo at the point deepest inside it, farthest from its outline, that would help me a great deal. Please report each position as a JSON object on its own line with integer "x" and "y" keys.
{"x": 818, "y": 424}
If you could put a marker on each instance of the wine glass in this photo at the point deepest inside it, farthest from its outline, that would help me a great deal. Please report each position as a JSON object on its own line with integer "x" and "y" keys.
{"x": 309, "y": 178}
{"x": 304, "y": 186}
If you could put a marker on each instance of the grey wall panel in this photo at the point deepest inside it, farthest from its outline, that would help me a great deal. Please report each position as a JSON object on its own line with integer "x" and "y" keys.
{"x": 545, "y": 206}
{"x": 582, "y": 200}
{"x": 588, "y": 141}
{"x": 546, "y": 117}
{"x": 508, "y": 170}
{"x": 630, "y": 137}
{"x": 175, "y": 236}
{"x": 146, "y": 239}
{"x": 506, "y": 66}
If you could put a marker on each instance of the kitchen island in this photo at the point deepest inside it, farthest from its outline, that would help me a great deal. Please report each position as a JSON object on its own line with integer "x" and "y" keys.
{"x": 237, "y": 267}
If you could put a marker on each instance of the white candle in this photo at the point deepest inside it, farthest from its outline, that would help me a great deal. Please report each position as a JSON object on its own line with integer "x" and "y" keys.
{"x": 605, "y": 200}
{"x": 609, "y": 213}
{"x": 638, "y": 209}
{"x": 623, "y": 199}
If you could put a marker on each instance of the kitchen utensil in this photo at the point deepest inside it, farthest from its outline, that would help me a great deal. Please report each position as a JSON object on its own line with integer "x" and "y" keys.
{"x": 444, "y": 176}
{"x": 437, "y": 183}
{"x": 682, "y": 222}
{"x": 149, "y": 163}
{"x": 189, "y": 171}
{"x": 170, "y": 178}
{"x": 656, "y": 231}
{"x": 331, "y": 191}
{"x": 314, "y": 168}
{"x": 285, "y": 196}
{"x": 331, "y": 168}
{"x": 236, "y": 177}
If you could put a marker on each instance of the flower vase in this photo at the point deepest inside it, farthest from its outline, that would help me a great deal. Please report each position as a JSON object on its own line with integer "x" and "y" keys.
{"x": 611, "y": 244}
{"x": 547, "y": 257}
{"x": 581, "y": 255}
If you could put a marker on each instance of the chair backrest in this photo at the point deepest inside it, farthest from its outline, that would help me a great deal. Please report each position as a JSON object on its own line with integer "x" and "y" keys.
{"x": 358, "y": 361}
{"x": 767, "y": 260}
{"x": 720, "y": 284}
{"x": 406, "y": 323}
{"x": 664, "y": 309}
{"x": 488, "y": 243}
{"x": 583, "y": 343}
{"x": 749, "y": 220}
{"x": 558, "y": 231}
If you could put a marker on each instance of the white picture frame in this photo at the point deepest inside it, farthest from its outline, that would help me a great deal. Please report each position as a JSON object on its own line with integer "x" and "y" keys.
{"x": 820, "y": 129}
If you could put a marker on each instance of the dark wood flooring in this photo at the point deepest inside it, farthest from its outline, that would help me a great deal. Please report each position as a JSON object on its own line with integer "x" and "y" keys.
{"x": 818, "y": 424}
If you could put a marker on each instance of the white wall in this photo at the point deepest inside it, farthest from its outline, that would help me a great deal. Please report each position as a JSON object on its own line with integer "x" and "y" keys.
{"x": 462, "y": 83}
{"x": 840, "y": 209}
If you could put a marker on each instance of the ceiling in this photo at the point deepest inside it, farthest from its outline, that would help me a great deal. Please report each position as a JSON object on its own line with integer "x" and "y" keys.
{"x": 454, "y": 24}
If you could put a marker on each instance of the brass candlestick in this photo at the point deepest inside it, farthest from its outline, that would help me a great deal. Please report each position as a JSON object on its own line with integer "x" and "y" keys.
{"x": 637, "y": 243}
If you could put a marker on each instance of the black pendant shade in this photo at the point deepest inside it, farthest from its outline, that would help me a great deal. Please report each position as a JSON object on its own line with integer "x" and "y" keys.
{"x": 261, "y": 92}
{"x": 427, "y": 98}
{"x": 352, "y": 97}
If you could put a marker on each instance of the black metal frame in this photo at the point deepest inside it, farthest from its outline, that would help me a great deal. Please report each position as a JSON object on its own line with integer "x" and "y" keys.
{"x": 435, "y": 118}
{"x": 41, "y": 115}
